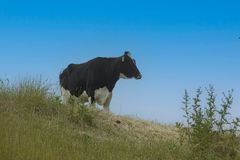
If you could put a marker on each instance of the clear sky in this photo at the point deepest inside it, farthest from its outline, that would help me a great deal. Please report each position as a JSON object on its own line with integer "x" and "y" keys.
{"x": 177, "y": 45}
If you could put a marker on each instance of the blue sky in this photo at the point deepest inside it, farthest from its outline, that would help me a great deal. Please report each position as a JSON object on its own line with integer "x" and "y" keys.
{"x": 177, "y": 44}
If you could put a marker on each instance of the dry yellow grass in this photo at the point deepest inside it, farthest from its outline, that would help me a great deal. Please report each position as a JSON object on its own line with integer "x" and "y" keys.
{"x": 134, "y": 128}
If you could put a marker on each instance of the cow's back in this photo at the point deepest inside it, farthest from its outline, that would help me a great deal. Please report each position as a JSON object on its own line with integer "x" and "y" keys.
{"x": 89, "y": 76}
{"x": 73, "y": 78}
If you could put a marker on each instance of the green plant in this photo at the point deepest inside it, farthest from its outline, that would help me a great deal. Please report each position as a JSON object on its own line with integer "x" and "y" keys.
{"x": 210, "y": 132}
{"x": 78, "y": 113}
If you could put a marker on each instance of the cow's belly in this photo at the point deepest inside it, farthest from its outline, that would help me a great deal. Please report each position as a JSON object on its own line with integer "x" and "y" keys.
{"x": 101, "y": 95}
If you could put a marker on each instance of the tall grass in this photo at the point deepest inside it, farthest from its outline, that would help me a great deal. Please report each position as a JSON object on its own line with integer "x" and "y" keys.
{"x": 35, "y": 125}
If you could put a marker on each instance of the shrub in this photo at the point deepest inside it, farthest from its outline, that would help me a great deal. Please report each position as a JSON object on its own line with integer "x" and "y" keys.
{"x": 210, "y": 132}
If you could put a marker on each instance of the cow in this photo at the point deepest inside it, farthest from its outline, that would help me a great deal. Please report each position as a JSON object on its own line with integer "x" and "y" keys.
{"x": 94, "y": 80}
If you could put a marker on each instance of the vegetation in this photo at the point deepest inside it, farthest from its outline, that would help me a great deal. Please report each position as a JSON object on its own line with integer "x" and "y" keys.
{"x": 36, "y": 125}
{"x": 210, "y": 132}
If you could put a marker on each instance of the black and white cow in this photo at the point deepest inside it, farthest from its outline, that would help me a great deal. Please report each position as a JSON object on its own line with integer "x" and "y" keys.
{"x": 96, "y": 78}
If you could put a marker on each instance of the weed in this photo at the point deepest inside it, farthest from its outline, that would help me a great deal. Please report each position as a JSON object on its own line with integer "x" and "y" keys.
{"x": 209, "y": 132}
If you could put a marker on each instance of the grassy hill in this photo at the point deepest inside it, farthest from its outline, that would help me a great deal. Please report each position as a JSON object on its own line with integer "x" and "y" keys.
{"x": 35, "y": 125}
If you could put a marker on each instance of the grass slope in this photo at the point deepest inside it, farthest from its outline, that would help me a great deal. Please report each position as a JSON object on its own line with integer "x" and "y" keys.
{"x": 35, "y": 125}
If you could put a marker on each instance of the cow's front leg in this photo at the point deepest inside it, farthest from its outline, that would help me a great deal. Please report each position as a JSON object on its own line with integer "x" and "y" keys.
{"x": 107, "y": 102}
{"x": 91, "y": 102}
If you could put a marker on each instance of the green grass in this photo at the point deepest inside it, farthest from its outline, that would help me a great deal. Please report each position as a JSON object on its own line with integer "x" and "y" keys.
{"x": 35, "y": 125}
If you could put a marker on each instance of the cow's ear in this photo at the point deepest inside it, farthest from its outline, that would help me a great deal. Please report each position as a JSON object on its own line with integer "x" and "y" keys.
{"x": 127, "y": 53}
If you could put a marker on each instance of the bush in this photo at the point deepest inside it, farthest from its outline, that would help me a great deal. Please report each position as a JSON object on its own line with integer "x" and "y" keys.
{"x": 210, "y": 132}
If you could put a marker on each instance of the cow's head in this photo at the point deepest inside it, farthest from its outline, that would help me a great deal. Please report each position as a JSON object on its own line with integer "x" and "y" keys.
{"x": 128, "y": 67}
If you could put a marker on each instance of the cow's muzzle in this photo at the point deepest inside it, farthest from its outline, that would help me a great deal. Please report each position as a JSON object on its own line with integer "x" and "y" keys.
{"x": 139, "y": 76}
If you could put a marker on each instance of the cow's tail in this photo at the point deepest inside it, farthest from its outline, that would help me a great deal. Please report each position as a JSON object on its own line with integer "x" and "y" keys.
{"x": 64, "y": 75}
{"x": 63, "y": 80}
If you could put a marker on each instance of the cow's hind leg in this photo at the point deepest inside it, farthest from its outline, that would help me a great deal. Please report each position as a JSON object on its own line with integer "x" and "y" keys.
{"x": 91, "y": 99}
{"x": 65, "y": 96}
